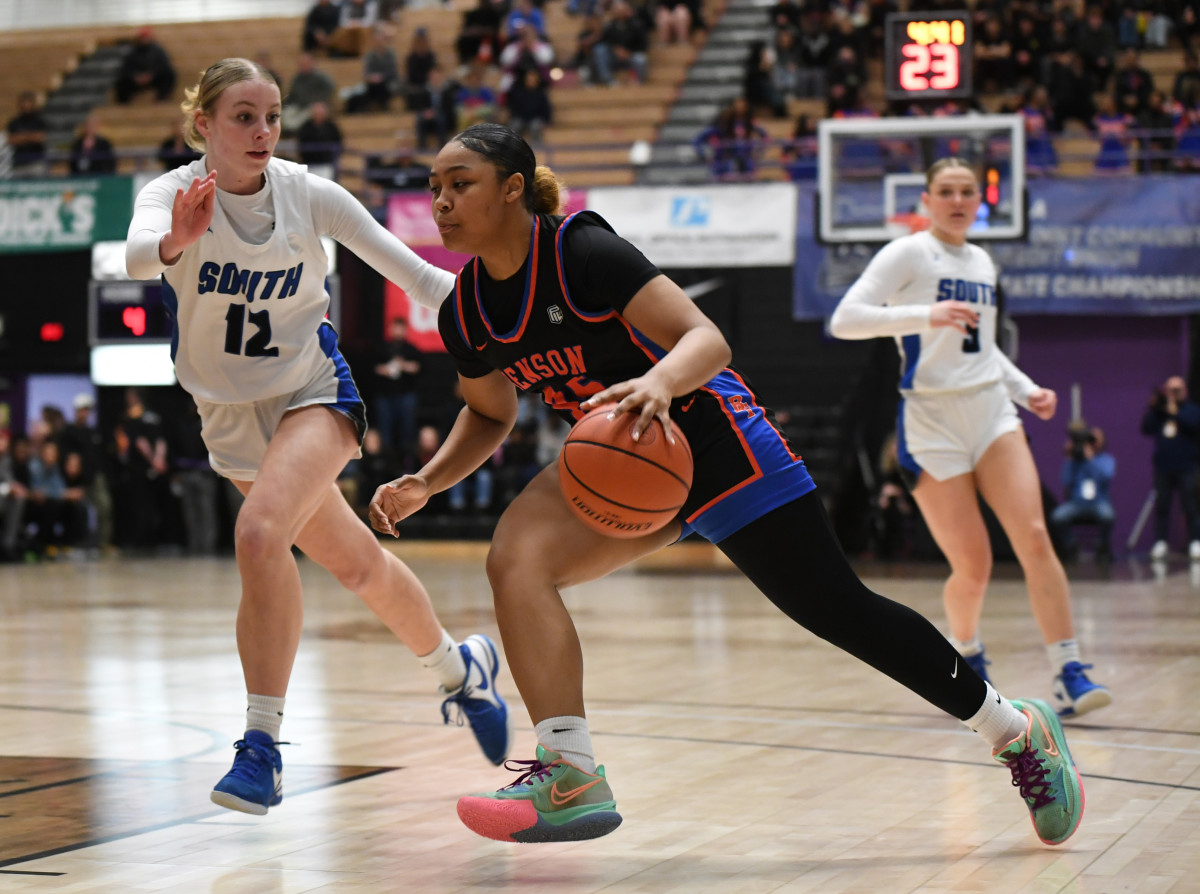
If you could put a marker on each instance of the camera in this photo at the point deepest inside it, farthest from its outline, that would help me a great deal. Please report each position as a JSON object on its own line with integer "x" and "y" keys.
{"x": 1081, "y": 438}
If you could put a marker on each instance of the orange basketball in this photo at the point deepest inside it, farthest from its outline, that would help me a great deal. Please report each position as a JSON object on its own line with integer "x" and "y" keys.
{"x": 619, "y": 486}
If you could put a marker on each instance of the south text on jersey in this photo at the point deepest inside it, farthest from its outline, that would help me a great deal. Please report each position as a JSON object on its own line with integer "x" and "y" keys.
{"x": 229, "y": 279}
{"x": 963, "y": 290}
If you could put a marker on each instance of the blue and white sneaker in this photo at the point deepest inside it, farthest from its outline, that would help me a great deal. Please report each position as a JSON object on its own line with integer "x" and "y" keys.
{"x": 1075, "y": 694}
{"x": 479, "y": 702}
{"x": 256, "y": 780}
{"x": 979, "y": 664}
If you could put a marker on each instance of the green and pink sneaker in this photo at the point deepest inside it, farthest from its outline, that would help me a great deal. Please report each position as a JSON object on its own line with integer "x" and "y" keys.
{"x": 552, "y": 800}
{"x": 1045, "y": 774}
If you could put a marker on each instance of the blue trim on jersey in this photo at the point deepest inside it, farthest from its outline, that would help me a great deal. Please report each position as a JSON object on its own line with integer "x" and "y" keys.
{"x": 531, "y": 262}
{"x": 907, "y": 461}
{"x": 911, "y": 346}
{"x": 349, "y": 402}
{"x": 171, "y": 302}
{"x": 562, "y": 277}
{"x": 784, "y": 477}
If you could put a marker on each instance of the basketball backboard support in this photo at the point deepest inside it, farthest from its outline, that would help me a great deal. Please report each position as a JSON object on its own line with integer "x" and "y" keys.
{"x": 871, "y": 173}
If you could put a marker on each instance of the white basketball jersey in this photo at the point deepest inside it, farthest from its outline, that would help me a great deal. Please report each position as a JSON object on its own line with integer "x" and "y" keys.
{"x": 921, "y": 270}
{"x": 247, "y": 315}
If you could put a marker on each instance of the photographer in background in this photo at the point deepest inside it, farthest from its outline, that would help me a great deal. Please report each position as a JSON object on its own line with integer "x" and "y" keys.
{"x": 1086, "y": 474}
{"x": 1174, "y": 421}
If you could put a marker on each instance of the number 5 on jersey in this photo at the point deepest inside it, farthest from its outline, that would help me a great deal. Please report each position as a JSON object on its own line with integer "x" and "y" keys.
{"x": 258, "y": 344}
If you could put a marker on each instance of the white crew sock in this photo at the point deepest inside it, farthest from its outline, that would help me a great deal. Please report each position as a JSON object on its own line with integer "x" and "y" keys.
{"x": 1062, "y": 652}
{"x": 446, "y": 663}
{"x": 971, "y": 647}
{"x": 568, "y": 736}
{"x": 997, "y": 721}
{"x": 265, "y": 714}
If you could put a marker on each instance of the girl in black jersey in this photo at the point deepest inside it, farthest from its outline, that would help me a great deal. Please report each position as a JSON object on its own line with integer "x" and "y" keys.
{"x": 565, "y": 307}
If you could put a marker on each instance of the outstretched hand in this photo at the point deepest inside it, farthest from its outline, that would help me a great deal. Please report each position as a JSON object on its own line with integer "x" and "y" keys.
{"x": 191, "y": 215}
{"x": 644, "y": 396}
{"x": 397, "y": 500}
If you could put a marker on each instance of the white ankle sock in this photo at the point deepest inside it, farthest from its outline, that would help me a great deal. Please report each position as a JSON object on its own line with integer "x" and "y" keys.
{"x": 265, "y": 714}
{"x": 971, "y": 647}
{"x": 446, "y": 663}
{"x": 568, "y": 736}
{"x": 1062, "y": 652}
{"x": 997, "y": 722}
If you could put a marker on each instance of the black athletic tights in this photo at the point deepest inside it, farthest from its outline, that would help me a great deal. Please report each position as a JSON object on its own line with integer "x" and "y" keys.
{"x": 791, "y": 554}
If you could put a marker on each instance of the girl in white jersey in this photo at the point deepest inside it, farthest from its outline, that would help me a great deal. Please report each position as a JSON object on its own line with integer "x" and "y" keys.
{"x": 236, "y": 239}
{"x": 958, "y": 431}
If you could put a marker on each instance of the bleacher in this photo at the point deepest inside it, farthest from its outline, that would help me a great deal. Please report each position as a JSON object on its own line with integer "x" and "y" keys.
{"x": 588, "y": 143}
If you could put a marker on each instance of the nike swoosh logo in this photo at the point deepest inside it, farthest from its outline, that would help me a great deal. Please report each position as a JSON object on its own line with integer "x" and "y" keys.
{"x": 954, "y": 675}
{"x": 481, "y": 347}
{"x": 561, "y": 798}
{"x": 1050, "y": 749}
{"x": 688, "y": 405}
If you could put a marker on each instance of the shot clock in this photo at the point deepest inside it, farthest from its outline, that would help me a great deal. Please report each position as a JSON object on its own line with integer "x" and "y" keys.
{"x": 927, "y": 55}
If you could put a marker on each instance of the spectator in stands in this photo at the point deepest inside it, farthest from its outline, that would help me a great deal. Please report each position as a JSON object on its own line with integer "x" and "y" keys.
{"x": 309, "y": 85}
{"x": 197, "y": 484}
{"x": 1028, "y": 53}
{"x": 398, "y": 169}
{"x": 174, "y": 152}
{"x": 319, "y": 140}
{"x": 733, "y": 143}
{"x": 785, "y": 74}
{"x": 58, "y": 512}
{"x": 1087, "y": 473}
{"x": 529, "y": 52}
{"x": 758, "y": 84}
{"x": 146, "y": 67}
{"x": 673, "y": 21}
{"x": 475, "y": 100}
{"x": 92, "y": 153}
{"x": 848, "y": 73}
{"x": 381, "y": 73}
{"x": 786, "y": 15}
{"x": 1187, "y": 24}
{"x": 993, "y": 58}
{"x": 356, "y": 23}
{"x": 13, "y": 494}
{"x": 529, "y": 108}
{"x": 623, "y": 49}
{"x": 1040, "y": 155}
{"x": 1071, "y": 89}
{"x": 815, "y": 50}
{"x": 1097, "y": 45}
{"x": 377, "y": 464}
{"x": 1174, "y": 422}
{"x": 799, "y": 154}
{"x": 319, "y": 26}
{"x": 82, "y": 437}
{"x": 419, "y": 62}
{"x": 397, "y": 400}
{"x": 1186, "y": 89}
{"x": 27, "y": 137}
{"x": 584, "y": 60}
{"x": 436, "y": 108}
{"x": 479, "y": 38}
{"x": 523, "y": 13}
{"x": 140, "y": 461}
{"x": 1157, "y": 135}
{"x": 1132, "y": 85}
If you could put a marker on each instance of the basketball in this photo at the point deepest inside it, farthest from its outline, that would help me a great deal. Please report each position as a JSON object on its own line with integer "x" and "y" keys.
{"x": 619, "y": 486}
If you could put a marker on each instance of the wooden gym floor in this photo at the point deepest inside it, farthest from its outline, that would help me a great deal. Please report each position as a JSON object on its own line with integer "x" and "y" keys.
{"x": 746, "y": 755}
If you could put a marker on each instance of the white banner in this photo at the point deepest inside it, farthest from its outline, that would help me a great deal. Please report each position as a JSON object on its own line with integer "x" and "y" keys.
{"x": 735, "y": 225}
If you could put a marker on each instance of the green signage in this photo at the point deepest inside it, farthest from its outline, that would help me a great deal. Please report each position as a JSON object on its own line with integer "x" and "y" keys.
{"x": 56, "y": 215}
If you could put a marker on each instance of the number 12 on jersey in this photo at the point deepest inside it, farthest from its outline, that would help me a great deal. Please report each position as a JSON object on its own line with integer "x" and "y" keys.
{"x": 259, "y": 343}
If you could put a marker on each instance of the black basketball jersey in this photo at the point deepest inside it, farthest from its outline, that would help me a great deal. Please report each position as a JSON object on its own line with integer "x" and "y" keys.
{"x": 568, "y": 353}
